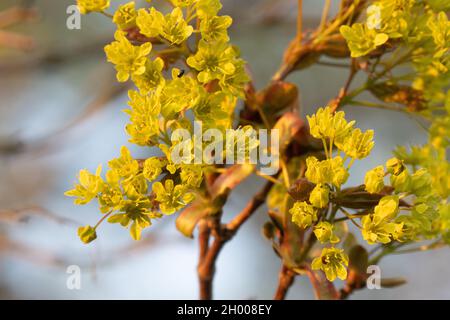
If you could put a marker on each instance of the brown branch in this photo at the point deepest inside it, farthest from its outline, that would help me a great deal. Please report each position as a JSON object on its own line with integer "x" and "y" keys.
{"x": 222, "y": 234}
{"x": 206, "y": 268}
{"x": 286, "y": 279}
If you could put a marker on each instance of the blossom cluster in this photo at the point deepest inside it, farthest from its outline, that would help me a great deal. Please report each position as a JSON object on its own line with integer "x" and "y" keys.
{"x": 148, "y": 43}
{"x": 411, "y": 206}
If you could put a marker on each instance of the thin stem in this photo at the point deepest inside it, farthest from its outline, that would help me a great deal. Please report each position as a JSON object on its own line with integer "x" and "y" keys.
{"x": 350, "y": 217}
{"x": 222, "y": 234}
{"x": 102, "y": 219}
{"x": 376, "y": 106}
{"x": 435, "y": 245}
{"x": 285, "y": 172}
{"x": 325, "y": 147}
{"x": 325, "y": 12}
{"x": 300, "y": 20}
{"x": 333, "y": 64}
{"x": 106, "y": 14}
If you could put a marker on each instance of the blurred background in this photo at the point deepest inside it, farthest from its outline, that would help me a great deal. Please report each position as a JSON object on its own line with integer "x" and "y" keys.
{"x": 60, "y": 111}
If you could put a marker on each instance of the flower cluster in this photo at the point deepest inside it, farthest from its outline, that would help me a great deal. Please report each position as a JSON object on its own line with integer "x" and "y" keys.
{"x": 147, "y": 42}
{"x": 399, "y": 204}
{"x": 329, "y": 175}
{"x": 418, "y": 32}
{"x": 87, "y": 6}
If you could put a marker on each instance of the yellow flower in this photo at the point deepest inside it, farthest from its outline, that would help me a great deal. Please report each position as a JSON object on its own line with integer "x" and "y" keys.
{"x": 174, "y": 28}
{"x": 326, "y": 171}
{"x": 191, "y": 175}
{"x": 361, "y": 40}
{"x": 137, "y": 210}
{"x": 111, "y": 196}
{"x": 128, "y": 59}
{"x": 171, "y": 198}
{"x": 303, "y": 214}
{"x": 153, "y": 168}
{"x": 324, "y": 124}
{"x": 144, "y": 126}
{"x": 125, "y": 165}
{"x": 395, "y": 166}
{"x": 125, "y": 16}
{"x": 421, "y": 183}
{"x": 234, "y": 83}
{"x": 374, "y": 180}
{"x": 319, "y": 197}
{"x": 152, "y": 77}
{"x": 214, "y": 61}
{"x": 89, "y": 187}
{"x": 333, "y": 262}
{"x": 324, "y": 232}
{"x": 401, "y": 182}
{"x": 150, "y": 23}
{"x": 208, "y": 8}
{"x": 387, "y": 208}
{"x": 183, "y": 3}
{"x": 179, "y": 94}
{"x": 376, "y": 230}
{"x": 86, "y": 6}
{"x": 357, "y": 145}
{"x": 215, "y": 28}
{"x": 379, "y": 226}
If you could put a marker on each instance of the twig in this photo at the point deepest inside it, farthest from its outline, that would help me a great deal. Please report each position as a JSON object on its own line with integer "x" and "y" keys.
{"x": 285, "y": 281}
{"x": 325, "y": 12}
{"x": 344, "y": 91}
{"x": 221, "y": 234}
{"x": 300, "y": 20}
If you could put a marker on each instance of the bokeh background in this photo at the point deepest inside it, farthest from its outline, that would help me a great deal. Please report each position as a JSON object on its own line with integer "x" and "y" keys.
{"x": 60, "y": 111}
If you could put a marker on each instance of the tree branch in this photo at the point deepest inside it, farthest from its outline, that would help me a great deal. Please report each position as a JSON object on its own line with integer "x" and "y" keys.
{"x": 286, "y": 279}
{"x": 222, "y": 234}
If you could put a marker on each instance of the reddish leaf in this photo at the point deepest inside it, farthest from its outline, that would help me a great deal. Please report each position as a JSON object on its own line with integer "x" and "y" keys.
{"x": 230, "y": 179}
{"x": 289, "y": 125}
{"x": 190, "y": 216}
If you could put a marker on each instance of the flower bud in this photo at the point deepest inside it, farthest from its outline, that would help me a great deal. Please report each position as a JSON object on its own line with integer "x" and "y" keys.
{"x": 87, "y": 234}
